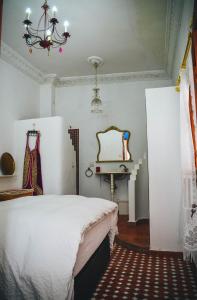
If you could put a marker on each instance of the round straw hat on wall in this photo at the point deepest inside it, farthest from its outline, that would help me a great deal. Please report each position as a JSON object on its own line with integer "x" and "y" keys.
{"x": 7, "y": 164}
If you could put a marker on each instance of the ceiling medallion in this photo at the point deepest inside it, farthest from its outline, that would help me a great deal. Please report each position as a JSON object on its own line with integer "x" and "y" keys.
{"x": 45, "y": 36}
{"x": 96, "y": 104}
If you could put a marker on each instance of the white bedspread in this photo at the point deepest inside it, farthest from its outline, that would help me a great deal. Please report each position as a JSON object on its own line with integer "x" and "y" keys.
{"x": 39, "y": 240}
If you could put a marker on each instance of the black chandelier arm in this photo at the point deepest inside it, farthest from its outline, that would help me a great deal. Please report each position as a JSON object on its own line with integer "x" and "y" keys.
{"x": 58, "y": 43}
{"x": 54, "y": 46}
{"x": 44, "y": 15}
{"x": 63, "y": 36}
{"x": 27, "y": 37}
{"x": 56, "y": 38}
{"x": 61, "y": 39}
{"x": 33, "y": 35}
{"x": 32, "y": 44}
{"x": 59, "y": 36}
{"x": 55, "y": 35}
{"x": 35, "y": 45}
{"x": 53, "y": 28}
{"x": 33, "y": 30}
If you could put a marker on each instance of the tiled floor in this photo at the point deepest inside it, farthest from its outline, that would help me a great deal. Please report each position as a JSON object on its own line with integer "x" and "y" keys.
{"x": 133, "y": 234}
{"x": 137, "y": 275}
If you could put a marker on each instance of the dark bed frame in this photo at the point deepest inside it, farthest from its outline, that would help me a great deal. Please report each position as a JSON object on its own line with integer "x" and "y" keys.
{"x": 88, "y": 278}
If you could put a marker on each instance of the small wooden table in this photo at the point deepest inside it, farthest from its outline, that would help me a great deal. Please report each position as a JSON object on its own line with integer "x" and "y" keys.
{"x": 13, "y": 194}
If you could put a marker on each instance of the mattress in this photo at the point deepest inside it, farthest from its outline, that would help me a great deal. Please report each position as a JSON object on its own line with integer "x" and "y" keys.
{"x": 41, "y": 239}
{"x": 92, "y": 239}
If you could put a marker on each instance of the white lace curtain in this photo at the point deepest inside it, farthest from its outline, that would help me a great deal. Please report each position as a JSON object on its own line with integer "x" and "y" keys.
{"x": 189, "y": 190}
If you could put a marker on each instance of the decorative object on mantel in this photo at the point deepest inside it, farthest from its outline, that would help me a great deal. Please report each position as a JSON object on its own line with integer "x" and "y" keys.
{"x": 96, "y": 104}
{"x": 7, "y": 164}
{"x": 45, "y": 36}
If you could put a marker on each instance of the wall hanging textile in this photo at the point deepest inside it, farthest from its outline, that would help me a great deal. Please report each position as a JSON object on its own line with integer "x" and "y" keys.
{"x": 32, "y": 175}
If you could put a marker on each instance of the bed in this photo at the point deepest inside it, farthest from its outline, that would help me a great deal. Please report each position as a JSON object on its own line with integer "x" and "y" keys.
{"x": 50, "y": 245}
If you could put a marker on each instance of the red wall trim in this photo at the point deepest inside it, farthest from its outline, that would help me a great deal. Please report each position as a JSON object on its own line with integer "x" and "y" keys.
{"x": 74, "y": 135}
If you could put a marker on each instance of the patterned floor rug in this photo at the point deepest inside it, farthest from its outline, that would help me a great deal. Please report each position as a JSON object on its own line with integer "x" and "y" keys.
{"x": 136, "y": 275}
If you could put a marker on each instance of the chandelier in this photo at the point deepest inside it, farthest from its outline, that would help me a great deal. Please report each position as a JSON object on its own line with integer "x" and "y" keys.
{"x": 96, "y": 104}
{"x": 45, "y": 36}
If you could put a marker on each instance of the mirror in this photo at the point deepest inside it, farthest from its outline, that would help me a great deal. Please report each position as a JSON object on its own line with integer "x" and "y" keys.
{"x": 113, "y": 145}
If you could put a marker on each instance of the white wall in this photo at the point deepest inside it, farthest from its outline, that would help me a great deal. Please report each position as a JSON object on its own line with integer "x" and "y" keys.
{"x": 19, "y": 99}
{"x": 163, "y": 131}
{"x": 187, "y": 14}
{"x": 124, "y": 107}
{"x": 56, "y": 152}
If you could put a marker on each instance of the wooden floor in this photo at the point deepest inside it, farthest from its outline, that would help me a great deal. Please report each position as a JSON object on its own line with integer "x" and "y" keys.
{"x": 137, "y": 235}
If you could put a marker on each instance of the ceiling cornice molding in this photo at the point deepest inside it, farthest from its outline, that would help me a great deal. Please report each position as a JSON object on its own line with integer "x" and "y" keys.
{"x": 15, "y": 59}
{"x": 52, "y": 79}
{"x": 113, "y": 78}
{"x": 173, "y": 22}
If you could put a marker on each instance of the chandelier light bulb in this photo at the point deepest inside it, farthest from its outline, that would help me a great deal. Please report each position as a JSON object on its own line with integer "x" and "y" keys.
{"x": 48, "y": 32}
{"x": 54, "y": 10}
{"x": 66, "y": 24}
{"x": 28, "y": 12}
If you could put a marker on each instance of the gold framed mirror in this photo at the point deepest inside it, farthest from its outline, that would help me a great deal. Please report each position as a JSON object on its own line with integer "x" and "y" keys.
{"x": 113, "y": 145}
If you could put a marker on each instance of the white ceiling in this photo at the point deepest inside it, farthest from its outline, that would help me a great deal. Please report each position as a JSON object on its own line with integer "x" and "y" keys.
{"x": 128, "y": 34}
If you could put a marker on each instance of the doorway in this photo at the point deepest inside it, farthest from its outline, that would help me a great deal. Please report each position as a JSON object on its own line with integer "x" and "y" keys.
{"x": 136, "y": 234}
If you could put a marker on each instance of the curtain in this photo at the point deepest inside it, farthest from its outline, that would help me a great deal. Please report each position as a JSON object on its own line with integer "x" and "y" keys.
{"x": 188, "y": 170}
{"x": 1, "y": 13}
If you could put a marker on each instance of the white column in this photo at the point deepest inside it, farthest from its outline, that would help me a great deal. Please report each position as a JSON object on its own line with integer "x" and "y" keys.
{"x": 47, "y": 96}
{"x": 131, "y": 194}
{"x": 131, "y": 191}
{"x": 112, "y": 187}
{"x": 163, "y": 132}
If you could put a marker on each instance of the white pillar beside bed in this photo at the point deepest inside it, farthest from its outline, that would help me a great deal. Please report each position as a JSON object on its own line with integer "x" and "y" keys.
{"x": 164, "y": 164}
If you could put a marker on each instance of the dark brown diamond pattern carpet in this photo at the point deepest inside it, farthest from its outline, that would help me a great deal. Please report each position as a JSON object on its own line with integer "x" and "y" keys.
{"x": 136, "y": 275}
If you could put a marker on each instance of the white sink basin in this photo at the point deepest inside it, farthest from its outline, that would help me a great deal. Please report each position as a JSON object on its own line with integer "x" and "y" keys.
{"x": 112, "y": 172}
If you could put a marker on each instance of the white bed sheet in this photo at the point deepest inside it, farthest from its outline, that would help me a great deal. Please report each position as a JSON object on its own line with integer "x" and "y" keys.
{"x": 39, "y": 242}
{"x": 92, "y": 239}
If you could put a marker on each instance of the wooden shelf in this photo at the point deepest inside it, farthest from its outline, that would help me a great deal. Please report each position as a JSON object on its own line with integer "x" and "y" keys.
{"x": 13, "y": 194}
{"x": 7, "y": 176}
